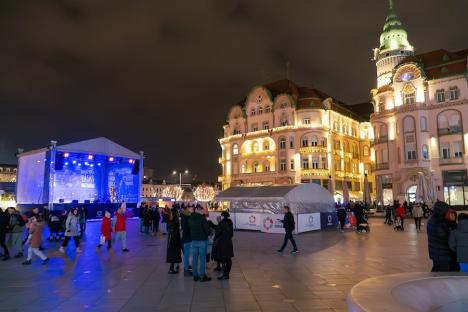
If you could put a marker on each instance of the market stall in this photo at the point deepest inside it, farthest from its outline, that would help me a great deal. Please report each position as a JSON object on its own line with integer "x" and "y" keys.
{"x": 260, "y": 208}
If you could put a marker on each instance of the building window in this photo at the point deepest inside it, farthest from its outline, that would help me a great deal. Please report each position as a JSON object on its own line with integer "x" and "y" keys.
{"x": 337, "y": 145}
{"x": 440, "y": 95}
{"x": 267, "y": 109}
{"x": 306, "y": 121}
{"x": 254, "y": 127}
{"x": 314, "y": 141}
{"x": 457, "y": 149}
{"x": 255, "y": 167}
{"x": 260, "y": 110}
{"x": 315, "y": 163}
{"x": 235, "y": 149}
{"x": 252, "y": 112}
{"x": 266, "y": 166}
{"x": 266, "y": 125}
{"x": 282, "y": 143}
{"x": 409, "y": 98}
{"x": 284, "y": 122}
{"x": 425, "y": 152}
{"x": 304, "y": 142}
{"x": 453, "y": 91}
{"x": 381, "y": 104}
{"x": 445, "y": 152}
{"x": 291, "y": 164}
{"x": 282, "y": 165}
{"x": 266, "y": 146}
{"x": 243, "y": 168}
{"x": 283, "y": 105}
{"x": 237, "y": 131}
{"x": 291, "y": 142}
{"x": 324, "y": 163}
{"x": 324, "y": 142}
{"x": 410, "y": 155}
{"x": 305, "y": 163}
{"x": 423, "y": 123}
{"x": 255, "y": 147}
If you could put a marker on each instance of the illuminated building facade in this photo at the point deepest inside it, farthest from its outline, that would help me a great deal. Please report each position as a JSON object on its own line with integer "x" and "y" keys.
{"x": 420, "y": 118}
{"x": 284, "y": 134}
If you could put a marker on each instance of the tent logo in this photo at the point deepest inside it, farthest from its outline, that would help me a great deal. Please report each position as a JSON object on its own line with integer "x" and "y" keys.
{"x": 252, "y": 219}
{"x": 268, "y": 223}
{"x": 99, "y": 213}
{"x": 311, "y": 220}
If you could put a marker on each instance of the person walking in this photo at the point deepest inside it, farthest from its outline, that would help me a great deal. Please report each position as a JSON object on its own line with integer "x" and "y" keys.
{"x": 437, "y": 237}
{"x": 15, "y": 230}
{"x": 120, "y": 227}
{"x": 341, "y": 214}
{"x": 71, "y": 230}
{"x": 388, "y": 215}
{"x": 4, "y": 224}
{"x": 223, "y": 244}
{"x": 186, "y": 239}
{"x": 417, "y": 216}
{"x": 35, "y": 233}
{"x": 83, "y": 218}
{"x": 401, "y": 213}
{"x": 174, "y": 245}
{"x": 106, "y": 231}
{"x": 289, "y": 225}
{"x": 199, "y": 231}
{"x": 458, "y": 242}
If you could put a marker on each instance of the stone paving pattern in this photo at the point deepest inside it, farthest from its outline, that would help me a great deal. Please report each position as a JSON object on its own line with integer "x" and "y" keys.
{"x": 317, "y": 279}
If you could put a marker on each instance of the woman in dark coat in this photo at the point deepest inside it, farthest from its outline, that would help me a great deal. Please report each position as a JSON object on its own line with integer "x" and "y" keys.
{"x": 174, "y": 245}
{"x": 216, "y": 238}
{"x": 223, "y": 244}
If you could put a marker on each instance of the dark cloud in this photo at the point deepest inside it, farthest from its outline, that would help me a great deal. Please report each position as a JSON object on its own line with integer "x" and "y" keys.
{"x": 161, "y": 76}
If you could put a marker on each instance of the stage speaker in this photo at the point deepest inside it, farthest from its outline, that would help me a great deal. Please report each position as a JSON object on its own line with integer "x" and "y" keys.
{"x": 61, "y": 200}
{"x": 75, "y": 202}
{"x": 87, "y": 201}
{"x": 58, "y": 161}
{"x": 136, "y": 167}
{"x": 96, "y": 201}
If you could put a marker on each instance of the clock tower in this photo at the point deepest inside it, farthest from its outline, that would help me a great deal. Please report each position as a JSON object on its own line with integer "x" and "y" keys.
{"x": 394, "y": 47}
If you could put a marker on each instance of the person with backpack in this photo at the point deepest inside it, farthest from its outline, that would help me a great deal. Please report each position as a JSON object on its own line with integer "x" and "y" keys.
{"x": 289, "y": 225}
{"x": 15, "y": 230}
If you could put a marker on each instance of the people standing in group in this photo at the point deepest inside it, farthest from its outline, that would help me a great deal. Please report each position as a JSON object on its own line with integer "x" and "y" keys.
{"x": 458, "y": 242}
{"x": 71, "y": 230}
{"x": 438, "y": 236}
{"x": 186, "y": 239}
{"x": 4, "y": 223}
{"x": 199, "y": 231}
{"x": 15, "y": 230}
{"x": 120, "y": 226}
{"x": 155, "y": 218}
{"x": 223, "y": 246}
{"x": 401, "y": 213}
{"x": 36, "y": 227}
{"x": 106, "y": 231}
{"x": 174, "y": 245}
{"x": 83, "y": 219}
{"x": 289, "y": 225}
{"x": 341, "y": 214}
{"x": 418, "y": 214}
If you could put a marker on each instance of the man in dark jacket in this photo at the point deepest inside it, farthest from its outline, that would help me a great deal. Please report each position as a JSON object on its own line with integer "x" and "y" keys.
{"x": 341, "y": 213}
{"x": 186, "y": 238}
{"x": 156, "y": 218}
{"x": 459, "y": 242}
{"x": 199, "y": 231}
{"x": 289, "y": 225}
{"x": 4, "y": 223}
{"x": 438, "y": 238}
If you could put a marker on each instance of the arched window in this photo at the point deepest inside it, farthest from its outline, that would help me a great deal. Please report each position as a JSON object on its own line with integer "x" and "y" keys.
{"x": 255, "y": 168}
{"x": 365, "y": 151}
{"x": 255, "y": 148}
{"x": 314, "y": 140}
{"x": 235, "y": 149}
{"x": 408, "y": 124}
{"x": 282, "y": 143}
{"x": 266, "y": 166}
{"x": 260, "y": 110}
{"x": 425, "y": 152}
{"x": 442, "y": 122}
{"x": 266, "y": 145}
{"x": 304, "y": 142}
{"x": 291, "y": 142}
{"x": 346, "y": 146}
{"x": 423, "y": 123}
{"x": 383, "y": 131}
{"x": 449, "y": 122}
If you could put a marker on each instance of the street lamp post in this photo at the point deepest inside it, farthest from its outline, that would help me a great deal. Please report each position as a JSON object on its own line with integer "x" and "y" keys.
{"x": 180, "y": 176}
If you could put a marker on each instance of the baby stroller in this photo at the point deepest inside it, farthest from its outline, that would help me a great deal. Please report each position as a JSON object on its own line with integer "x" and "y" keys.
{"x": 55, "y": 226}
{"x": 398, "y": 225}
{"x": 363, "y": 224}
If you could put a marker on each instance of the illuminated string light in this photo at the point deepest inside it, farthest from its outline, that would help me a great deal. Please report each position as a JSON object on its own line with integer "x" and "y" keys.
{"x": 173, "y": 191}
{"x": 204, "y": 193}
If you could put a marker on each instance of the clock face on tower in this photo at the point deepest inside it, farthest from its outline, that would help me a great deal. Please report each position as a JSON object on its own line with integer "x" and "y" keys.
{"x": 407, "y": 76}
{"x": 407, "y": 73}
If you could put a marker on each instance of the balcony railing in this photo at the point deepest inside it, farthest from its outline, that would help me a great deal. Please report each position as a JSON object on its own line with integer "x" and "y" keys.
{"x": 315, "y": 172}
{"x": 379, "y": 140}
{"x": 451, "y": 161}
{"x": 450, "y": 130}
{"x": 381, "y": 166}
{"x": 312, "y": 149}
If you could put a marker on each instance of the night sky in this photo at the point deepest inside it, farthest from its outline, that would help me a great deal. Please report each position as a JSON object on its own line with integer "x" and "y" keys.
{"x": 160, "y": 76}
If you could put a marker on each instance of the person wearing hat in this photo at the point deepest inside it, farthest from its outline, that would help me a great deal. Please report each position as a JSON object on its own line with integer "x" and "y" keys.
{"x": 199, "y": 231}
{"x": 223, "y": 244}
{"x": 289, "y": 225}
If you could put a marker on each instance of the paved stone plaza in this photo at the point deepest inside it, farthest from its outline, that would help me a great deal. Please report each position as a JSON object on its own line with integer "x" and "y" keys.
{"x": 317, "y": 279}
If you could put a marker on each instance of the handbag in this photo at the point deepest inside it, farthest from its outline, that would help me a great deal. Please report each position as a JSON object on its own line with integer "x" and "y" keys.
{"x": 102, "y": 240}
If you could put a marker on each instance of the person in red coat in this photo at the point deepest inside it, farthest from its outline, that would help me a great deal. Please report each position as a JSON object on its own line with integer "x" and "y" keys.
{"x": 106, "y": 231}
{"x": 119, "y": 226}
{"x": 401, "y": 213}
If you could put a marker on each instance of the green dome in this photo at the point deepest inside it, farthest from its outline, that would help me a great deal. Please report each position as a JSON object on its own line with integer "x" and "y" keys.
{"x": 394, "y": 36}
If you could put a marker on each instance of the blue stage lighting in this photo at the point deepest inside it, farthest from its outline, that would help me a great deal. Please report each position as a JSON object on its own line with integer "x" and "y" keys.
{"x": 74, "y": 162}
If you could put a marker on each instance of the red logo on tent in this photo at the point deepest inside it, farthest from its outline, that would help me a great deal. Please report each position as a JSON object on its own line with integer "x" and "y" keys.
{"x": 268, "y": 223}
{"x": 252, "y": 219}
